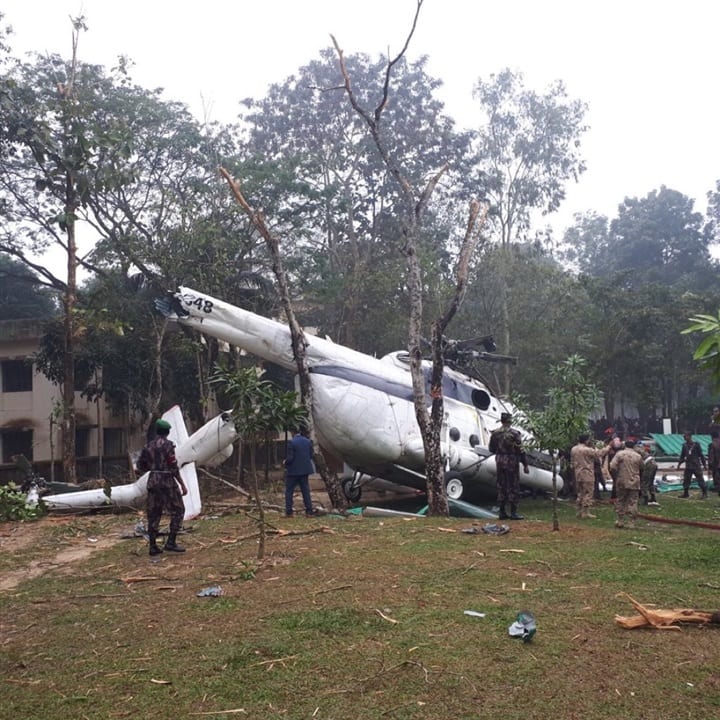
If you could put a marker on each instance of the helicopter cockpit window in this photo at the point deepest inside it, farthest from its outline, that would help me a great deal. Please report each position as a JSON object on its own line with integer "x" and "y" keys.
{"x": 461, "y": 391}
{"x": 480, "y": 399}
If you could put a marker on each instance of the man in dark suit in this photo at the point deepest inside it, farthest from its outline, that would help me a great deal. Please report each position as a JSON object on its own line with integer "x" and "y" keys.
{"x": 298, "y": 466}
{"x": 695, "y": 464}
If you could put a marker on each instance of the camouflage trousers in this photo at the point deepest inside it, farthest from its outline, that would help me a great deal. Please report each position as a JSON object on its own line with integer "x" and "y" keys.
{"x": 164, "y": 496}
{"x": 648, "y": 484}
{"x": 585, "y": 489}
{"x": 508, "y": 485}
{"x": 626, "y": 505}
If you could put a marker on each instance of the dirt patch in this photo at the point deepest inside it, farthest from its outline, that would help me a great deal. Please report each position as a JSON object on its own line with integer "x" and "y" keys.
{"x": 61, "y": 560}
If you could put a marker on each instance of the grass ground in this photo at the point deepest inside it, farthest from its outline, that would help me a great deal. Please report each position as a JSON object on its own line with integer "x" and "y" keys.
{"x": 359, "y": 618}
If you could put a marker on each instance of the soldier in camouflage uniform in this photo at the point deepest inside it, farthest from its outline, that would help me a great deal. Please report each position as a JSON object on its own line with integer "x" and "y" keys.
{"x": 165, "y": 487}
{"x": 506, "y": 444}
{"x": 647, "y": 481}
{"x": 628, "y": 466}
{"x": 583, "y": 457}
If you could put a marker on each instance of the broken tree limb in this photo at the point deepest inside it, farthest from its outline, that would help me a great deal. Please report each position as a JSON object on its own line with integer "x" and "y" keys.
{"x": 665, "y": 619}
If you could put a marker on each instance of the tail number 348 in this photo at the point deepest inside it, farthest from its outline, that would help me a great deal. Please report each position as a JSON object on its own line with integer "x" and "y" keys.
{"x": 202, "y": 304}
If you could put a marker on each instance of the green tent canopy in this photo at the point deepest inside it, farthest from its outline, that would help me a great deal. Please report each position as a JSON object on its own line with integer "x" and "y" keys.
{"x": 671, "y": 445}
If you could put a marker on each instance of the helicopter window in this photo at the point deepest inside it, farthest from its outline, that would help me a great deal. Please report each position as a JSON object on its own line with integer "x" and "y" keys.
{"x": 480, "y": 399}
{"x": 454, "y": 434}
{"x": 474, "y": 440}
{"x": 460, "y": 391}
{"x": 450, "y": 387}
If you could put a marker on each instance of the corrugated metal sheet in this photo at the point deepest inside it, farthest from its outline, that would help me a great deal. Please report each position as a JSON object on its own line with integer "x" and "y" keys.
{"x": 672, "y": 444}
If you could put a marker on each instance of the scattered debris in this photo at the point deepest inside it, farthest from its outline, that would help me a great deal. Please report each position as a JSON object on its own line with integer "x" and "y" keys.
{"x": 524, "y": 626}
{"x": 495, "y": 529}
{"x": 212, "y": 591}
{"x": 474, "y": 613}
{"x": 385, "y": 617}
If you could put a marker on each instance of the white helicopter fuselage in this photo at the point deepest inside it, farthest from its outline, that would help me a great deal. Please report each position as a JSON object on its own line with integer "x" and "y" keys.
{"x": 363, "y": 408}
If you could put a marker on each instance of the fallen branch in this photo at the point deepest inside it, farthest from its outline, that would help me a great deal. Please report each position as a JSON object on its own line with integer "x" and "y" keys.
{"x": 237, "y": 488}
{"x": 139, "y": 578}
{"x": 332, "y": 589}
{"x": 675, "y": 521}
{"x": 665, "y": 619}
{"x": 222, "y": 712}
{"x": 385, "y": 617}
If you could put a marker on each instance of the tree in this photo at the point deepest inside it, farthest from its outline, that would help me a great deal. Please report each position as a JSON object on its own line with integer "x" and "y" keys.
{"x": 642, "y": 272}
{"x": 527, "y": 150}
{"x": 257, "y": 407}
{"x": 570, "y": 401}
{"x": 53, "y": 137}
{"x": 21, "y": 295}
{"x": 415, "y": 198}
{"x": 547, "y": 314}
{"x": 327, "y": 192}
{"x": 297, "y": 339}
{"x": 661, "y": 237}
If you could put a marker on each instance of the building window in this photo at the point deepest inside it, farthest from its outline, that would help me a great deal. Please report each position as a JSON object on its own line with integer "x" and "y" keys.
{"x": 82, "y": 442}
{"x": 114, "y": 442}
{"x": 16, "y": 442}
{"x": 17, "y": 376}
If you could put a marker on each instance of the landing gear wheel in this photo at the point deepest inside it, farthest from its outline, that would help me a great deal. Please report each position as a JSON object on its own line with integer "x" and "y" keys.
{"x": 352, "y": 493}
{"x": 454, "y": 487}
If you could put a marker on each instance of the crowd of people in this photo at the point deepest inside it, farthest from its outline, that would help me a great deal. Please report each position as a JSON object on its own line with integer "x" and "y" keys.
{"x": 631, "y": 468}
{"x": 587, "y": 469}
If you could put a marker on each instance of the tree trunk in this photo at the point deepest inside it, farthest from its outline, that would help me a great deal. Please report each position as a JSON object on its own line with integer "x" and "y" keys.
{"x": 332, "y": 483}
{"x": 258, "y": 503}
{"x": 68, "y": 389}
{"x": 555, "y": 517}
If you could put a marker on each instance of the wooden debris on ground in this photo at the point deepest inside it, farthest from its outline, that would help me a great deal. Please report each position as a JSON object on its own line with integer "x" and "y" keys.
{"x": 665, "y": 619}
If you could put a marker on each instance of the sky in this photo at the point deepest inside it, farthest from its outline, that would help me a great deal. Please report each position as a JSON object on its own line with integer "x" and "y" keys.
{"x": 647, "y": 69}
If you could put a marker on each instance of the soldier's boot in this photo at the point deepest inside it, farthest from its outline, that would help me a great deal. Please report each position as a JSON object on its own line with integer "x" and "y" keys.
{"x": 502, "y": 515}
{"x": 514, "y": 513}
{"x": 703, "y": 487}
{"x": 172, "y": 545}
{"x": 154, "y": 549}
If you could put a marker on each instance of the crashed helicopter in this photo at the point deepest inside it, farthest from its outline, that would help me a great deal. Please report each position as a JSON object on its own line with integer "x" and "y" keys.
{"x": 363, "y": 408}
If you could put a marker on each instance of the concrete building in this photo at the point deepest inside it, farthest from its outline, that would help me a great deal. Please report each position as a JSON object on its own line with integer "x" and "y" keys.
{"x": 28, "y": 411}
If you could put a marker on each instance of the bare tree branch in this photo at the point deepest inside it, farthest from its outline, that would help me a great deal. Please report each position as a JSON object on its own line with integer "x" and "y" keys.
{"x": 297, "y": 335}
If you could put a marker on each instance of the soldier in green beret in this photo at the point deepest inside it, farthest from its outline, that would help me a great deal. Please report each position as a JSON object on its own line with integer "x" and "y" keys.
{"x": 165, "y": 487}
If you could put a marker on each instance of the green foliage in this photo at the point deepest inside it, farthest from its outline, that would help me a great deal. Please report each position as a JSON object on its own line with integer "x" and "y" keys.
{"x": 22, "y": 296}
{"x": 707, "y": 353}
{"x": 13, "y": 505}
{"x": 317, "y": 174}
{"x": 257, "y": 405}
{"x": 570, "y": 401}
{"x": 655, "y": 239}
{"x": 528, "y": 148}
